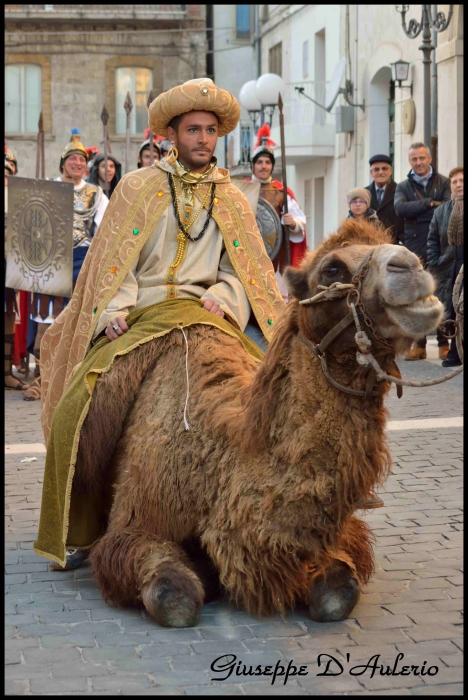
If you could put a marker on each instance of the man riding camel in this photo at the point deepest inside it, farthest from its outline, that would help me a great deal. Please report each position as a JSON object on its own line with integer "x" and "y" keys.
{"x": 178, "y": 245}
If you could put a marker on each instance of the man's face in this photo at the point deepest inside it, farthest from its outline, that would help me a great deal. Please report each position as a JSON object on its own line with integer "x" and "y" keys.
{"x": 358, "y": 206}
{"x": 145, "y": 158}
{"x": 381, "y": 173}
{"x": 75, "y": 165}
{"x": 263, "y": 167}
{"x": 195, "y": 139}
{"x": 456, "y": 184}
{"x": 420, "y": 160}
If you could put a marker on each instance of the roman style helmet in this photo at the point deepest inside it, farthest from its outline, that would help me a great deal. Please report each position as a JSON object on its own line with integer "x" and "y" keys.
{"x": 74, "y": 146}
{"x": 263, "y": 145}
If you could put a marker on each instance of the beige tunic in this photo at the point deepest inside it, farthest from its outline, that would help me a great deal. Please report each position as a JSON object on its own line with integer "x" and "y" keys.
{"x": 205, "y": 272}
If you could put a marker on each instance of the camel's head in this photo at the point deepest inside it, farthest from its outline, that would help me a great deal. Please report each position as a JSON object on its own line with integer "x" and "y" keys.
{"x": 396, "y": 291}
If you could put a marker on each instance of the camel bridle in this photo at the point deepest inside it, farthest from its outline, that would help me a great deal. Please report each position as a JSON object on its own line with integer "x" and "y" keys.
{"x": 364, "y": 357}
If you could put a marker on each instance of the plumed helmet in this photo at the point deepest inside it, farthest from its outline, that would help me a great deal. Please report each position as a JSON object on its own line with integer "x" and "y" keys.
{"x": 263, "y": 145}
{"x": 146, "y": 143}
{"x": 199, "y": 94}
{"x": 74, "y": 146}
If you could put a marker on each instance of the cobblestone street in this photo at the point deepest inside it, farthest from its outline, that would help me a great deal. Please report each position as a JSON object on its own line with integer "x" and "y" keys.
{"x": 63, "y": 639}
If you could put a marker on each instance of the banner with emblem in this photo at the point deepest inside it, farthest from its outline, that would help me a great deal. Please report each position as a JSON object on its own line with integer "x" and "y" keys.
{"x": 39, "y": 236}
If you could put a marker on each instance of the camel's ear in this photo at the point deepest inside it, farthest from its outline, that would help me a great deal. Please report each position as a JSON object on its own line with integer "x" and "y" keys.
{"x": 296, "y": 281}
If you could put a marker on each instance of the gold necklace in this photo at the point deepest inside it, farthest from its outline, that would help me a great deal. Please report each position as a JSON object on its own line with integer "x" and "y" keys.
{"x": 189, "y": 223}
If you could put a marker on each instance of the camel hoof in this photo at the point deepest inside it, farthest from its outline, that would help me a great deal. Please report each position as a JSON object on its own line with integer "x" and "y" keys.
{"x": 172, "y": 599}
{"x": 334, "y": 596}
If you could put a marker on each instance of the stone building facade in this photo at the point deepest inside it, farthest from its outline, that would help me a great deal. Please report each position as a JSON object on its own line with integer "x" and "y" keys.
{"x": 84, "y": 56}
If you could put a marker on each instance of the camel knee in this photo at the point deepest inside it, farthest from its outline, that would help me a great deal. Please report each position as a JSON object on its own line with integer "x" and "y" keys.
{"x": 333, "y": 593}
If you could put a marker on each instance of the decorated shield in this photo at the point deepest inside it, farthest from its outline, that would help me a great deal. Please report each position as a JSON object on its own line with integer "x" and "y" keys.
{"x": 270, "y": 227}
{"x": 39, "y": 236}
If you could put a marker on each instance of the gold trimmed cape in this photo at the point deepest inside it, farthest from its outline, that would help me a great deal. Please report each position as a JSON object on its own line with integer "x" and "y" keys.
{"x": 139, "y": 200}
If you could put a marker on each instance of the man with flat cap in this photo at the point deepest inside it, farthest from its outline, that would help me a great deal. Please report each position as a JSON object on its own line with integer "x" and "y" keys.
{"x": 382, "y": 191}
{"x": 178, "y": 245}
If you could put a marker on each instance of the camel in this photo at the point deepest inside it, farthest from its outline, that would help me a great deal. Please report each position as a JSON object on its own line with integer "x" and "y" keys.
{"x": 257, "y": 498}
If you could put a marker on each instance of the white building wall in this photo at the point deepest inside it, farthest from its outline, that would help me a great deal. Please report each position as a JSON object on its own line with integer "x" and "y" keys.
{"x": 234, "y": 65}
{"x": 380, "y": 42}
{"x": 310, "y": 142}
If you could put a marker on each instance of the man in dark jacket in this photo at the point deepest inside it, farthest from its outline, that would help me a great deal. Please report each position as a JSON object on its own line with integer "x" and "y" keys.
{"x": 382, "y": 191}
{"x": 445, "y": 252}
{"x": 416, "y": 199}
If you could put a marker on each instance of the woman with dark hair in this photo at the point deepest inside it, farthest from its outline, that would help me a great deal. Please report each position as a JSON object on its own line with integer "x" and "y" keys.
{"x": 445, "y": 252}
{"x": 97, "y": 172}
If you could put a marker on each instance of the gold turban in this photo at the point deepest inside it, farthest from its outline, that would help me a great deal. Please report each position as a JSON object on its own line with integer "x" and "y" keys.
{"x": 200, "y": 94}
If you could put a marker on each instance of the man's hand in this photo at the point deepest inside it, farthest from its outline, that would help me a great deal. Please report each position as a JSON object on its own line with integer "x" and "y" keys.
{"x": 213, "y": 307}
{"x": 289, "y": 220}
{"x": 116, "y": 328}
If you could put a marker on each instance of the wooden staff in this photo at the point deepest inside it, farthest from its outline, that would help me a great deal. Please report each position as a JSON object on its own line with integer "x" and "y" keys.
{"x": 40, "y": 164}
{"x": 128, "y": 106}
{"x": 151, "y": 97}
{"x": 105, "y": 119}
{"x": 283, "y": 168}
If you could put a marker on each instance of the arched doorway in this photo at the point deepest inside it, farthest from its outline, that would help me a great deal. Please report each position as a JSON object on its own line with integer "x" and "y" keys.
{"x": 382, "y": 113}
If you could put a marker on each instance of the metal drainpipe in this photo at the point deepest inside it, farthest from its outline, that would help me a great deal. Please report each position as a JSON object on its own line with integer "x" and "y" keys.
{"x": 434, "y": 97}
{"x": 355, "y": 99}
{"x": 257, "y": 41}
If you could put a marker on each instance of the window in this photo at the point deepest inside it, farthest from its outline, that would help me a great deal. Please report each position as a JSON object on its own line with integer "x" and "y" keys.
{"x": 243, "y": 22}
{"x": 305, "y": 59}
{"x": 139, "y": 83}
{"x": 23, "y": 98}
{"x": 275, "y": 59}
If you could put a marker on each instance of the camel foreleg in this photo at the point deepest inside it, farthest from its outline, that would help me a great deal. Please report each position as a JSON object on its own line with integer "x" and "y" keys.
{"x": 134, "y": 566}
{"x": 335, "y": 583}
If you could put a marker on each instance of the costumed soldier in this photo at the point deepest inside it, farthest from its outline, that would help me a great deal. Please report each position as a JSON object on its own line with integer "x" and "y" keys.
{"x": 10, "y": 310}
{"x": 187, "y": 250}
{"x": 144, "y": 158}
{"x": 90, "y": 203}
{"x": 382, "y": 191}
{"x": 262, "y": 163}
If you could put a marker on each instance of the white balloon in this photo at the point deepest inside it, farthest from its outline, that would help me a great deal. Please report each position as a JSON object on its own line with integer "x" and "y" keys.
{"x": 248, "y": 98}
{"x": 268, "y": 88}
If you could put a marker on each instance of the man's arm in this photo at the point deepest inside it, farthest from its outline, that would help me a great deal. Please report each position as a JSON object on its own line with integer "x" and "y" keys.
{"x": 120, "y": 306}
{"x": 297, "y": 217}
{"x": 409, "y": 209}
{"x": 229, "y": 293}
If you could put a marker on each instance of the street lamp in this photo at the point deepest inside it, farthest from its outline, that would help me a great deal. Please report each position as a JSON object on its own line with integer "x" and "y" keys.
{"x": 267, "y": 89}
{"x": 250, "y": 101}
{"x": 400, "y": 71}
{"x": 428, "y": 22}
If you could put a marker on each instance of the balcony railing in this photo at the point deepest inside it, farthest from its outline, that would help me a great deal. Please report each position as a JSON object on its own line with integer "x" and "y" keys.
{"x": 298, "y": 109}
{"x": 96, "y": 11}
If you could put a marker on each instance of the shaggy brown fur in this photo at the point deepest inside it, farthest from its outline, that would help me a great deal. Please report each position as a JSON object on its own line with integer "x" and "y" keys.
{"x": 268, "y": 475}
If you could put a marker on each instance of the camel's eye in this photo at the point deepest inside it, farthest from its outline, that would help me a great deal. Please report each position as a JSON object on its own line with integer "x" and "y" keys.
{"x": 332, "y": 270}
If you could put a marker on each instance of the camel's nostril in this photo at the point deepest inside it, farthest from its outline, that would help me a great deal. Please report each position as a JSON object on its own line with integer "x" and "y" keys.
{"x": 398, "y": 266}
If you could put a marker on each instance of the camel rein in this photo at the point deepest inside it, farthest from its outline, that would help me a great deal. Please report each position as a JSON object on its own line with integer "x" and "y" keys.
{"x": 364, "y": 357}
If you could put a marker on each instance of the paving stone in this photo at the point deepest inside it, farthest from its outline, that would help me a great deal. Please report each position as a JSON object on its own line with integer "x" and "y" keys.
{"x": 444, "y": 689}
{"x": 165, "y": 650}
{"x": 426, "y": 632}
{"x": 40, "y": 630}
{"x": 66, "y": 670}
{"x": 122, "y": 640}
{"x": 45, "y": 656}
{"x": 220, "y": 689}
{"x": 64, "y": 685}
{"x": 103, "y": 654}
{"x": 12, "y": 657}
{"x": 213, "y": 633}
